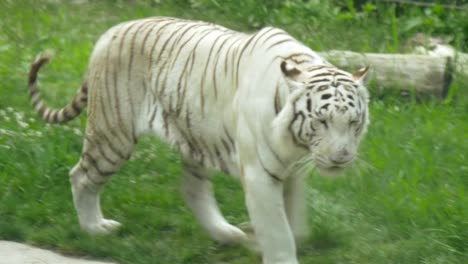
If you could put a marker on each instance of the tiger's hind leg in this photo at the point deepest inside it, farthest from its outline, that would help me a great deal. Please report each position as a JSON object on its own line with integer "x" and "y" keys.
{"x": 198, "y": 194}
{"x": 99, "y": 160}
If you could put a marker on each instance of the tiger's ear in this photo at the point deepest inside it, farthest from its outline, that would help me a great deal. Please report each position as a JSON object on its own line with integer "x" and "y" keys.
{"x": 362, "y": 76}
{"x": 291, "y": 74}
{"x": 289, "y": 70}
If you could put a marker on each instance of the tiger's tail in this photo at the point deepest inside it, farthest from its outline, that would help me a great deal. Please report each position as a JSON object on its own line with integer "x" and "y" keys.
{"x": 50, "y": 115}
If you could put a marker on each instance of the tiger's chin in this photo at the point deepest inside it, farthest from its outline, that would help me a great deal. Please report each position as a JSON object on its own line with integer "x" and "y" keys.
{"x": 330, "y": 171}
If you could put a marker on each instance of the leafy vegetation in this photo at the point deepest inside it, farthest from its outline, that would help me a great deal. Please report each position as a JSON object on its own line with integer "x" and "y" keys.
{"x": 405, "y": 201}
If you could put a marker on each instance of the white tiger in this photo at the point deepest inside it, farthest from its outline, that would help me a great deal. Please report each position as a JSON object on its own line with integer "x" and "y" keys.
{"x": 249, "y": 105}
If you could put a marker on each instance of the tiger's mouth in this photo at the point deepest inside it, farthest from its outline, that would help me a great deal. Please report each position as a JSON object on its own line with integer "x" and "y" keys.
{"x": 330, "y": 169}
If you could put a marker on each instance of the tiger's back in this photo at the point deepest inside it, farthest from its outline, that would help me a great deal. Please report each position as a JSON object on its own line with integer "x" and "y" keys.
{"x": 175, "y": 78}
{"x": 163, "y": 75}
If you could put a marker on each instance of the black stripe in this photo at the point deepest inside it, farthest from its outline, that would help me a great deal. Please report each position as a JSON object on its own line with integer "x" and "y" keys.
{"x": 278, "y": 43}
{"x": 101, "y": 151}
{"x": 323, "y": 74}
{"x": 41, "y": 111}
{"x": 161, "y": 68}
{"x": 221, "y": 161}
{"x": 208, "y": 62}
{"x": 259, "y": 35}
{"x": 111, "y": 146}
{"x": 215, "y": 67}
{"x": 345, "y": 80}
{"x": 292, "y": 56}
{"x": 35, "y": 69}
{"x": 301, "y": 127}
{"x": 314, "y": 81}
{"x": 226, "y": 146}
{"x": 159, "y": 34}
{"x": 226, "y": 54}
{"x": 229, "y": 137}
{"x": 192, "y": 142}
{"x": 296, "y": 142}
{"x": 185, "y": 72}
{"x": 55, "y": 117}
{"x": 47, "y": 115}
{"x": 35, "y": 101}
{"x": 94, "y": 163}
{"x": 145, "y": 38}
{"x": 175, "y": 44}
{"x": 75, "y": 106}
{"x": 87, "y": 175}
{"x": 165, "y": 123}
{"x": 132, "y": 47}
{"x": 277, "y": 102}
{"x": 109, "y": 128}
{"x": 153, "y": 115}
{"x": 68, "y": 115}
{"x": 277, "y": 157}
{"x": 33, "y": 91}
{"x": 123, "y": 39}
{"x": 104, "y": 112}
{"x": 193, "y": 171}
{"x": 114, "y": 75}
{"x": 278, "y": 33}
{"x": 271, "y": 174}
{"x": 239, "y": 58}
{"x": 189, "y": 72}
{"x": 129, "y": 94}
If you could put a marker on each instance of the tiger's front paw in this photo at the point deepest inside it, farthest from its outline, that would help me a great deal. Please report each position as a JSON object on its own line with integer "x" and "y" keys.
{"x": 102, "y": 227}
{"x": 228, "y": 234}
{"x": 251, "y": 241}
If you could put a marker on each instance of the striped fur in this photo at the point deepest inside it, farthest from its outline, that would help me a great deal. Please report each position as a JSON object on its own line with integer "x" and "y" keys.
{"x": 243, "y": 104}
{"x": 69, "y": 112}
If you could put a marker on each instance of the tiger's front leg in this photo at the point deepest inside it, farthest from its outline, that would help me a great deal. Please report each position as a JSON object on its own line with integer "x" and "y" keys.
{"x": 296, "y": 206}
{"x": 198, "y": 195}
{"x": 265, "y": 204}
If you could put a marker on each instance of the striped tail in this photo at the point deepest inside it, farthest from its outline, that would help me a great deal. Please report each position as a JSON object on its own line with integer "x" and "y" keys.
{"x": 65, "y": 114}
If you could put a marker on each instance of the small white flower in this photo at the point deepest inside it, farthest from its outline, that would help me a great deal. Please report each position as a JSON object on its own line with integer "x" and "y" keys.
{"x": 77, "y": 132}
{"x": 7, "y": 132}
{"x": 7, "y": 118}
{"x": 2, "y": 112}
{"x": 10, "y": 109}
{"x": 22, "y": 124}
{"x": 19, "y": 115}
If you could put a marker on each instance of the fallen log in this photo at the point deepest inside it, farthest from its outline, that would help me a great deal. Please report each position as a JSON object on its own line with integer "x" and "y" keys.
{"x": 426, "y": 75}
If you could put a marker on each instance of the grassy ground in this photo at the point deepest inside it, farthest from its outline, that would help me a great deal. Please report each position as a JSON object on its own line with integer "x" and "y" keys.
{"x": 404, "y": 202}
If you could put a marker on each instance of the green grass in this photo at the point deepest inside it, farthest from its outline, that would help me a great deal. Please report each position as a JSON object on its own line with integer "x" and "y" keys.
{"x": 404, "y": 202}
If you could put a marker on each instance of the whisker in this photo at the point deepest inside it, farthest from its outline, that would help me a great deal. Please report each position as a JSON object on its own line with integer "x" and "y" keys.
{"x": 298, "y": 166}
{"x": 364, "y": 164}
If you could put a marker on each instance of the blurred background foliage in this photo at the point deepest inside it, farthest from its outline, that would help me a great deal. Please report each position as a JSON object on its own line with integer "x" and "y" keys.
{"x": 399, "y": 19}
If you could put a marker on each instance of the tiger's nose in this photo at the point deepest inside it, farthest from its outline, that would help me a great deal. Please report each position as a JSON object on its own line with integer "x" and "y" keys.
{"x": 341, "y": 157}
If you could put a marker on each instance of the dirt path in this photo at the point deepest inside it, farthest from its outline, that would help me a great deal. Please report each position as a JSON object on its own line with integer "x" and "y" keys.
{"x": 16, "y": 253}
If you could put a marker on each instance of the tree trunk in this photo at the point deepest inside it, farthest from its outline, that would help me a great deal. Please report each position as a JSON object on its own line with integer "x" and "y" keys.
{"x": 426, "y": 75}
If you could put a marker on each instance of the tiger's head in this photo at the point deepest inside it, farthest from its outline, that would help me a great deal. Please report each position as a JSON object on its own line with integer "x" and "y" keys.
{"x": 328, "y": 113}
